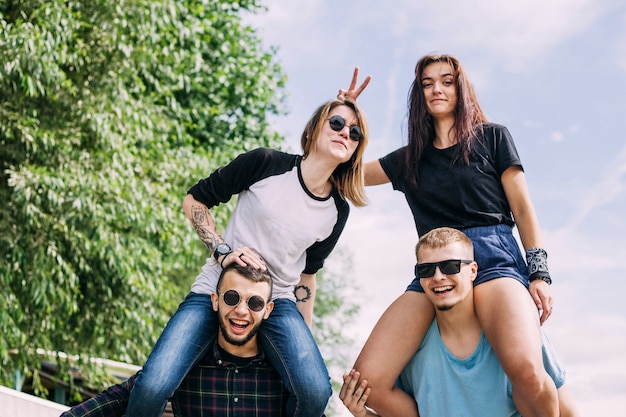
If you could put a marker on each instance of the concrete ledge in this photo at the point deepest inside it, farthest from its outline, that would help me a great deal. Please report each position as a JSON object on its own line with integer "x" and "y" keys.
{"x": 18, "y": 404}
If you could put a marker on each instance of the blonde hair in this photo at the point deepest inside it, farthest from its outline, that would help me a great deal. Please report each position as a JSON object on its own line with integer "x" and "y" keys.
{"x": 441, "y": 237}
{"x": 348, "y": 176}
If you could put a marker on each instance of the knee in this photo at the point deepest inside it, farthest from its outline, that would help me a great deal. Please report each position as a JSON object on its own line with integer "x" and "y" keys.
{"x": 314, "y": 397}
{"x": 152, "y": 390}
{"x": 321, "y": 390}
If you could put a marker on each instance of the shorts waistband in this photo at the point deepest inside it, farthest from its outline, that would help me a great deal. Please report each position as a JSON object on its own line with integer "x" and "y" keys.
{"x": 488, "y": 230}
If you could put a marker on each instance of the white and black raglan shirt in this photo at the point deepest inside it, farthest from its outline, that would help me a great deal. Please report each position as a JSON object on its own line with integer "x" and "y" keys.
{"x": 275, "y": 215}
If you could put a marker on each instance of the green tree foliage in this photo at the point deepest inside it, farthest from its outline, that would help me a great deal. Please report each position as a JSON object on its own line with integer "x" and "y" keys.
{"x": 109, "y": 111}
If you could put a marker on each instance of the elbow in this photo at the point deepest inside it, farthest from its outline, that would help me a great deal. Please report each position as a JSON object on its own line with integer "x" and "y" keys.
{"x": 187, "y": 202}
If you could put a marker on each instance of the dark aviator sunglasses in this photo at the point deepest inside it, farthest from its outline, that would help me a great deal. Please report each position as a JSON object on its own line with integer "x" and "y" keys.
{"x": 448, "y": 267}
{"x": 232, "y": 299}
{"x": 337, "y": 123}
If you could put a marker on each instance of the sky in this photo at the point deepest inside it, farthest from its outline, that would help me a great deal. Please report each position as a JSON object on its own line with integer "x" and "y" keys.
{"x": 554, "y": 73}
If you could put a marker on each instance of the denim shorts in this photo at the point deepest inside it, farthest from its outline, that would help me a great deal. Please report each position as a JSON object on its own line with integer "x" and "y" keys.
{"x": 497, "y": 254}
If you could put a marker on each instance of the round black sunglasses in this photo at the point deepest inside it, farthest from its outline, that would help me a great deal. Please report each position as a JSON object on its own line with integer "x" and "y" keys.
{"x": 337, "y": 123}
{"x": 232, "y": 299}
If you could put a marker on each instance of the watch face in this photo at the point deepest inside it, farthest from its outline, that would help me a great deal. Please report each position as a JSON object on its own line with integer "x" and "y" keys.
{"x": 222, "y": 249}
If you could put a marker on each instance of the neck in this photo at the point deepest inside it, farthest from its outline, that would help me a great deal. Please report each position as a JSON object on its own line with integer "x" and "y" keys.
{"x": 247, "y": 350}
{"x": 459, "y": 329}
{"x": 315, "y": 174}
{"x": 444, "y": 133}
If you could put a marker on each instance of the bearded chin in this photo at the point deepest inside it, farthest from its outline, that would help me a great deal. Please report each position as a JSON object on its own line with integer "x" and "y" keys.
{"x": 238, "y": 342}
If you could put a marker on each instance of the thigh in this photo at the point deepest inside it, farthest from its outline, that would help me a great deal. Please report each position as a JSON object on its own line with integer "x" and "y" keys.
{"x": 395, "y": 338}
{"x": 180, "y": 346}
{"x": 567, "y": 405}
{"x": 287, "y": 338}
{"x": 510, "y": 321}
{"x": 183, "y": 340}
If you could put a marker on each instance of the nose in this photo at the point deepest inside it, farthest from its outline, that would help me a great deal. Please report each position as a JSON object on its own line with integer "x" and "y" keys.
{"x": 345, "y": 131}
{"x": 242, "y": 307}
{"x": 436, "y": 87}
{"x": 438, "y": 274}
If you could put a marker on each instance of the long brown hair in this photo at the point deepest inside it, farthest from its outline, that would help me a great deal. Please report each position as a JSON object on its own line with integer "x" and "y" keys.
{"x": 348, "y": 176}
{"x": 468, "y": 115}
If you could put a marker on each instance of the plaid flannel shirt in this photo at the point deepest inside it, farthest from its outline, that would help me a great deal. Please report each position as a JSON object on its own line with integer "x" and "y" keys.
{"x": 216, "y": 387}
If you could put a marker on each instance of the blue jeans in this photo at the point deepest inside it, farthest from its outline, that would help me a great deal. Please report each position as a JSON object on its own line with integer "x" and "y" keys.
{"x": 284, "y": 337}
{"x": 289, "y": 345}
{"x": 181, "y": 345}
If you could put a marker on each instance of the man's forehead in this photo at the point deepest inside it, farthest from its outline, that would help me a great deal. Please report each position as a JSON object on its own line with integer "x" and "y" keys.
{"x": 453, "y": 250}
{"x": 233, "y": 280}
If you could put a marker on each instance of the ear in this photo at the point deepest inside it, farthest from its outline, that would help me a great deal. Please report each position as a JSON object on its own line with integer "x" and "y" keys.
{"x": 268, "y": 309}
{"x": 474, "y": 267}
{"x": 214, "y": 300}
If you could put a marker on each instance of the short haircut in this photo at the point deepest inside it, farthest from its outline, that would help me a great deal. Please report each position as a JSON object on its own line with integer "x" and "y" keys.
{"x": 253, "y": 274}
{"x": 443, "y": 236}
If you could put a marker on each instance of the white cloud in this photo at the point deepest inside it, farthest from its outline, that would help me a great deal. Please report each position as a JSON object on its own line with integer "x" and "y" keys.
{"x": 576, "y": 254}
{"x": 517, "y": 32}
{"x": 618, "y": 40}
{"x": 592, "y": 349}
{"x": 557, "y": 137}
{"x": 574, "y": 129}
{"x": 602, "y": 193}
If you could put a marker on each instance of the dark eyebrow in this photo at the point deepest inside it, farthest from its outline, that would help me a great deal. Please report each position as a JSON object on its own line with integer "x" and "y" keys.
{"x": 442, "y": 76}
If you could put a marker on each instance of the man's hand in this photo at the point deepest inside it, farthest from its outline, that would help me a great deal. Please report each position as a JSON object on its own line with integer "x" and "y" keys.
{"x": 354, "y": 92}
{"x": 354, "y": 395}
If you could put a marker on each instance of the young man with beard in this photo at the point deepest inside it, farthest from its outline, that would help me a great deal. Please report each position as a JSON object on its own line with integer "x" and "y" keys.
{"x": 233, "y": 378}
{"x": 455, "y": 371}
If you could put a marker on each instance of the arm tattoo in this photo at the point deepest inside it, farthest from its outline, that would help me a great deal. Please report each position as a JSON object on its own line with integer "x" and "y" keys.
{"x": 201, "y": 221}
{"x": 305, "y": 293}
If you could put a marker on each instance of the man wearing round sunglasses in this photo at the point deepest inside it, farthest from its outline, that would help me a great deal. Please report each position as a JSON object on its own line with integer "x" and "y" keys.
{"x": 455, "y": 371}
{"x": 234, "y": 377}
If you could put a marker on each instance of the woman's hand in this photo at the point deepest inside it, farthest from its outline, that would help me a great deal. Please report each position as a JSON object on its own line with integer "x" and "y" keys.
{"x": 542, "y": 296}
{"x": 244, "y": 256}
{"x": 354, "y": 92}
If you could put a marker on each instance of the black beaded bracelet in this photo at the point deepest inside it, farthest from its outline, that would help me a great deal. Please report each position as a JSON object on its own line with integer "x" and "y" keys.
{"x": 224, "y": 258}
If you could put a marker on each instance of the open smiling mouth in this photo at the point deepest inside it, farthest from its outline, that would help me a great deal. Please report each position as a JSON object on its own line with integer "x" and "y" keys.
{"x": 239, "y": 326}
{"x": 440, "y": 290}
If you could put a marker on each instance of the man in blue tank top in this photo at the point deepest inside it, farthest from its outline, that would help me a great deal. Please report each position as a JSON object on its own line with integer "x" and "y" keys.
{"x": 455, "y": 372}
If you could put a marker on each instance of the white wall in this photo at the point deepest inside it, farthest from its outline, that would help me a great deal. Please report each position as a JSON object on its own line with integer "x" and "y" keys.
{"x": 19, "y": 404}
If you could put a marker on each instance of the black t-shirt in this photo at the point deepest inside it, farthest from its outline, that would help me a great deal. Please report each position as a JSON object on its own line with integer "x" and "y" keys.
{"x": 458, "y": 196}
